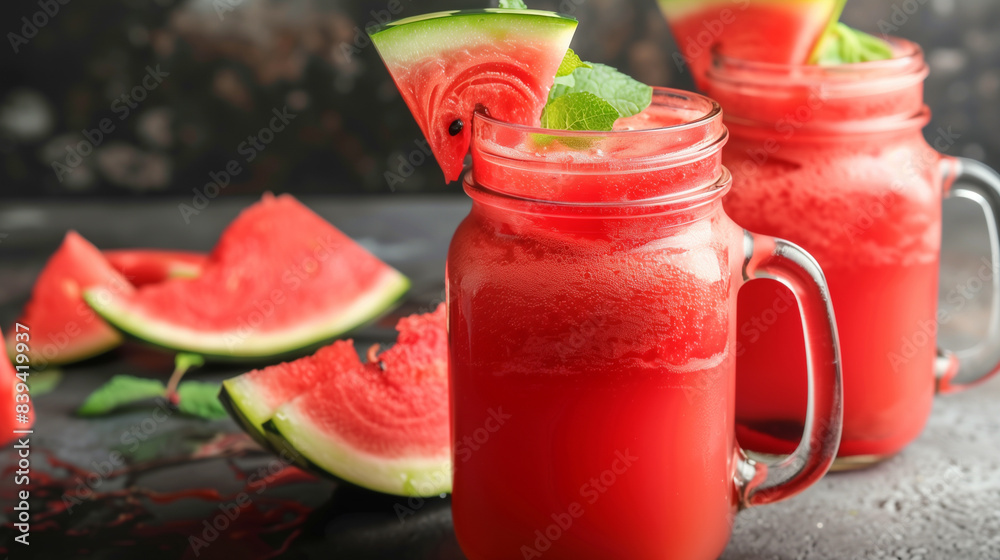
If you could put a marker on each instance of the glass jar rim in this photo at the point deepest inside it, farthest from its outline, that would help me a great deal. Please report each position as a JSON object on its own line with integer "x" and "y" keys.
{"x": 712, "y": 112}
{"x": 700, "y": 194}
{"x": 605, "y": 168}
{"x": 907, "y": 65}
{"x": 882, "y": 96}
{"x": 663, "y": 204}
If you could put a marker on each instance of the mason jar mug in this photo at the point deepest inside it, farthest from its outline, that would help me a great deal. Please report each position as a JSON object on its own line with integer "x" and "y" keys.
{"x": 592, "y": 325}
{"x": 832, "y": 158}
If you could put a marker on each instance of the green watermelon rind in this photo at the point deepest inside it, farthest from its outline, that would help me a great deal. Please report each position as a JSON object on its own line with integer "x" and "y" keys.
{"x": 389, "y": 290}
{"x": 414, "y": 476}
{"x": 258, "y": 434}
{"x": 241, "y": 402}
{"x": 82, "y": 350}
{"x": 429, "y": 35}
{"x": 285, "y": 451}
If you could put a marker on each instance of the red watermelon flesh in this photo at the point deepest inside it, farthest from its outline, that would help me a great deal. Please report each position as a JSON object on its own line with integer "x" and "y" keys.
{"x": 8, "y": 397}
{"x": 257, "y": 394}
{"x": 63, "y": 327}
{"x": 779, "y": 31}
{"x": 151, "y": 266}
{"x": 405, "y": 389}
{"x": 448, "y": 64}
{"x": 384, "y": 426}
{"x": 280, "y": 279}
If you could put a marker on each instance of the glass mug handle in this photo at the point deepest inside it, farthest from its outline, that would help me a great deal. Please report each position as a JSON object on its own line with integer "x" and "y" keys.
{"x": 981, "y": 184}
{"x": 760, "y": 483}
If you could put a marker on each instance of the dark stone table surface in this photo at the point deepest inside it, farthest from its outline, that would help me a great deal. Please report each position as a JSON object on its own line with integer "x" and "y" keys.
{"x": 939, "y": 499}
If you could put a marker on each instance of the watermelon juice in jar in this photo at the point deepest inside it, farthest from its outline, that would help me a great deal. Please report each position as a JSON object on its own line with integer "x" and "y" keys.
{"x": 591, "y": 294}
{"x": 832, "y": 158}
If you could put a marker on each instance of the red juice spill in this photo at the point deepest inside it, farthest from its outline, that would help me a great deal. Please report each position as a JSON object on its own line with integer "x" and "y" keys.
{"x": 66, "y": 504}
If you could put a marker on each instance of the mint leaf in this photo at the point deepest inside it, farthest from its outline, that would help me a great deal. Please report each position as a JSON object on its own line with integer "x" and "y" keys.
{"x": 119, "y": 391}
{"x": 43, "y": 382}
{"x": 194, "y": 398}
{"x": 200, "y": 399}
{"x": 579, "y": 111}
{"x": 569, "y": 63}
{"x": 513, "y": 5}
{"x": 873, "y": 48}
{"x": 626, "y": 94}
{"x": 843, "y": 45}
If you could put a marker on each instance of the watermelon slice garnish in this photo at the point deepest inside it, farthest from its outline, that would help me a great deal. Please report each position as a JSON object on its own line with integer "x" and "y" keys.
{"x": 8, "y": 395}
{"x": 150, "y": 266}
{"x": 63, "y": 328}
{"x": 448, "y": 64}
{"x": 779, "y": 31}
{"x": 280, "y": 280}
{"x": 384, "y": 426}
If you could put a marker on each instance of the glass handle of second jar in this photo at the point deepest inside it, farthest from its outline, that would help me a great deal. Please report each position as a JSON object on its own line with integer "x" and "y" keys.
{"x": 980, "y": 184}
{"x": 761, "y": 483}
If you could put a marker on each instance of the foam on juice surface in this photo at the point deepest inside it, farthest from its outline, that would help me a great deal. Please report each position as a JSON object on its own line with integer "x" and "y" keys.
{"x": 656, "y": 116}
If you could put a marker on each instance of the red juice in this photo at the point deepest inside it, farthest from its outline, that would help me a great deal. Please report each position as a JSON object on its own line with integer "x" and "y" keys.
{"x": 588, "y": 369}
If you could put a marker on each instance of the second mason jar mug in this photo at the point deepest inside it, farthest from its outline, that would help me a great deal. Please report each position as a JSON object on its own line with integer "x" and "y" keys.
{"x": 832, "y": 158}
{"x": 592, "y": 302}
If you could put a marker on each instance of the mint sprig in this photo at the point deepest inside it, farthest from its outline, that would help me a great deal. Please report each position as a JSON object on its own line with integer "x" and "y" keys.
{"x": 121, "y": 390}
{"x": 844, "y": 45}
{"x": 626, "y": 94}
{"x": 200, "y": 399}
{"x": 569, "y": 63}
{"x": 193, "y": 398}
{"x": 579, "y": 111}
{"x": 44, "y": 382}
{"x": 587, "y": 96}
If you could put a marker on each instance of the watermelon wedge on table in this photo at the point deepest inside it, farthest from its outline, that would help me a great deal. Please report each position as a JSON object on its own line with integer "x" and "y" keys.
{"x": 448, "y": 64}
{"x": 780, "y": 31}
{"x": 280, "y": 280}
{"x": 150, "y": 266}
{"x": 253, "y": 397}
{"x": 384, "y": 426}
{"x": 63, "y": 328}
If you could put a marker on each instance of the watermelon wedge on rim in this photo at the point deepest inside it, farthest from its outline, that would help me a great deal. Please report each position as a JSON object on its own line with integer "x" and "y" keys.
{"x": 779, "y": 31}
{"x": 448, "y": 64}
{"x": 281, "y": 279}
{"x": 63, "y": 328}
{"x": 384, "y": 426}
{"x": 150, "y": 266}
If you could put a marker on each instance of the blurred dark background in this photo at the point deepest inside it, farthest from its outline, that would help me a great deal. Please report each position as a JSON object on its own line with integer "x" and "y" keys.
{"x": 178, "y": 86}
